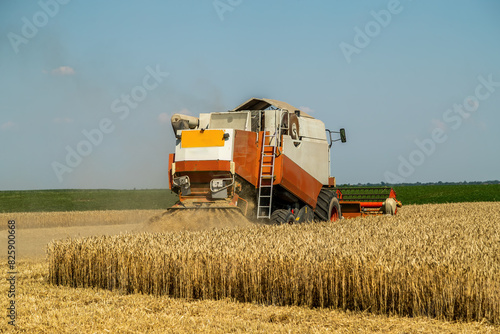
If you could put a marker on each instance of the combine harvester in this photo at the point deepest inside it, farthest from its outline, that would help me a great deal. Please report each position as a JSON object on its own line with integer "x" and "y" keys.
{"x": 268, "y": 160}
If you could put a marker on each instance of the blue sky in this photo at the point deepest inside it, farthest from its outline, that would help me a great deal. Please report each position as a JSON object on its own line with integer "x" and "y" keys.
{"x": 416, "y": 84}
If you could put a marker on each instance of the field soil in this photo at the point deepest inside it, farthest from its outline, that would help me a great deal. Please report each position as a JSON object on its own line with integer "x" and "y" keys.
{"x": 32, "y": 243}
{"x": 77, "y": 218}
{"x": 34, "y": 230}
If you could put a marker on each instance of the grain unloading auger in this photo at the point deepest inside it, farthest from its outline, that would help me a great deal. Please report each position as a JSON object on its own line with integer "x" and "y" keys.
{"x": 268, "y": 160}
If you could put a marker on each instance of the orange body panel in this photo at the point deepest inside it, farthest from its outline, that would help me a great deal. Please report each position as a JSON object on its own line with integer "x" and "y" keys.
{"x": 200, "y": 172}
{"x": 332, "y": 182}
{"x": 202, "y": 166}
{"x": 297, "y": 181}
{"x": 246, "y": 155}
{"x": 171, "y": 158}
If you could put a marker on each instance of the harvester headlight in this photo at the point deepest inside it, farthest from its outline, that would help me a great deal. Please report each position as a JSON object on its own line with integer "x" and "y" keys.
{"x": 184, "y": 184}
{"x": 218, "y": 187}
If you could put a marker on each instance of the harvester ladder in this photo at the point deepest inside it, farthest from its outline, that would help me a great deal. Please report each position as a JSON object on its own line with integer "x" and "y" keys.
{"x": 266, "y": 175}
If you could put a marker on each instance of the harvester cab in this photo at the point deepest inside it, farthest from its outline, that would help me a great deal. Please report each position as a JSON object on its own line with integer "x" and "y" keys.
{"x": 266, "y": 159}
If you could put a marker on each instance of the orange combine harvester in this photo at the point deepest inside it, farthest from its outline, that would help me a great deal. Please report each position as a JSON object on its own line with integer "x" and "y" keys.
{"x": 270, "y": 161}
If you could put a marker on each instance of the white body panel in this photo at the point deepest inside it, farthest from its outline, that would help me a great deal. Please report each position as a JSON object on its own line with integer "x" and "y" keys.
{"x": 233, "y": 120}
{"x": 204, "y": 120}
{"x": 312, "y": 128}
{"x": 311, "y": 155}
{"x": 206, "y": 153}
{"x": 272, "y": 118}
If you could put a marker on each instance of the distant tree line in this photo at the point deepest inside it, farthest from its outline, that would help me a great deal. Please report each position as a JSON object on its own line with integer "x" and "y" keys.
{"x": 440, "y": 183}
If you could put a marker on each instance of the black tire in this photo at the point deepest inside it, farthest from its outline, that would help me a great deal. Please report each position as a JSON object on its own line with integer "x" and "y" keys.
{"x": 281, "y": 216}
{"x": 328, "y": 207}
{"x": 306, "y": 214}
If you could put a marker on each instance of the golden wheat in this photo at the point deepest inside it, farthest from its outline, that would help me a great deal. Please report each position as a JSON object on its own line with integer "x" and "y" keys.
{"x": 441, "y": 261}
{"x": 44, "y": 308}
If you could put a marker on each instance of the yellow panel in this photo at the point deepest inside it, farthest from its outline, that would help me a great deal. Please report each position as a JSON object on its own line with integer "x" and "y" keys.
{"x": 207, "y": 138}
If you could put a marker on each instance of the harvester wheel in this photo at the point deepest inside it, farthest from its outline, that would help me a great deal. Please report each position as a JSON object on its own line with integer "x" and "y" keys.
{"x": 306, "y": 214}
{"x": 281, "y": 216}
{"x": 328, "y": 207}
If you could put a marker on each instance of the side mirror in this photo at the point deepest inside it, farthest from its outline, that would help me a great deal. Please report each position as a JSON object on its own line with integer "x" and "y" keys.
{"x": 342, "y": 135}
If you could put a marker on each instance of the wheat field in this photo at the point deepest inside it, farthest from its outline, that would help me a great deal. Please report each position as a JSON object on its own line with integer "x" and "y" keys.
{"x": 46, "y": 308}
{"x": 438, "y": 261}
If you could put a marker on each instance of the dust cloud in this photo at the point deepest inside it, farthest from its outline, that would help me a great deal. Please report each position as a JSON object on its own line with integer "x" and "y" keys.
{"x": 196, "y": 220}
